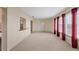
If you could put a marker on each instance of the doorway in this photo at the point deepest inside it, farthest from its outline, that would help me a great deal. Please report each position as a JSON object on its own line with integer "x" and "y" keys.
{"x": 31, "y": 25}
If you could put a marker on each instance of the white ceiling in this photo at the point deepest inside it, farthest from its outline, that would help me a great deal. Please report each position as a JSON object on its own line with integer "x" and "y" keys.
{"x": 42, "y": 12}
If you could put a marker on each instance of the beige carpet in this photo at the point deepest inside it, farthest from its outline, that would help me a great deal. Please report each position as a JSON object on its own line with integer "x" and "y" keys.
{"x": 43, "y": 42}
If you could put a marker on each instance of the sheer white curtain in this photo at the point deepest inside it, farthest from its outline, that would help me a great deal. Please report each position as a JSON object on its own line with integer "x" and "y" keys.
{"x": 78, "y": 23}
{"x": 60, "y": 24}
{"x": 68, "y": 26}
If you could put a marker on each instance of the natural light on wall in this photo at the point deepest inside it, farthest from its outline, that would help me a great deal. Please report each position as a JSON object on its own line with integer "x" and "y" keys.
{"x": 68, "y": 24}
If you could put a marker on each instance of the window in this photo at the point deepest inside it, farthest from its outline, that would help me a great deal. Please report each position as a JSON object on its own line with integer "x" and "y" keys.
{"x": 68, "y": 24}
{"x": 56, "y": 25}
{"x": 22, "y": 23}
{"x": 78, "y": 24}
{"x": 60, "y": 24}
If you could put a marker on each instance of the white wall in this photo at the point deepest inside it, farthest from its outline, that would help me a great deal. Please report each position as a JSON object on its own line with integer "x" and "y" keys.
{"x": 49, "y": 25}
{"x": 38, "y": 26}
{"x": 14, "y": 36}
{"x": 43, "y": 25}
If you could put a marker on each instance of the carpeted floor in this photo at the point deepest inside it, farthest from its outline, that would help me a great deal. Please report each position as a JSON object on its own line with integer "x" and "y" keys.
{"x": 43, "y": 42}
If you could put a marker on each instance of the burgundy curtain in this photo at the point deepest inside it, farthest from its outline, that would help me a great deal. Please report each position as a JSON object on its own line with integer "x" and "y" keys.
{"x": 74, "y": 28}
{"x": 63, "y": 26}
{"x": 58, "y": 34}
{"x": 54, "y": 25}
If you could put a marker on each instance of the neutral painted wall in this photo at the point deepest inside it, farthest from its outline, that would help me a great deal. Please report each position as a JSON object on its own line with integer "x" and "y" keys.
{"x": 43, "y": 25}
{"x": 38, "y": 26}
{"x": 14, "y": 36}
{"x": 49, "y": 25}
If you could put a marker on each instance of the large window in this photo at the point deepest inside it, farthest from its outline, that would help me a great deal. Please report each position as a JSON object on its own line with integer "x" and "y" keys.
{"x": 60, "y": 24}
{"x": 68, "y": 24}
{"x": 56, "y": 25}
{"x": 78, "y": 24}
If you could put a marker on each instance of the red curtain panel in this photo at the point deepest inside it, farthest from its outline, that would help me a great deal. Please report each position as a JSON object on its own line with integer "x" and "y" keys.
{"x": 58, "y": 26}
{"x": 74, "y": 28}
{"x": 54, "y": 25}
{"x": 63, "y": 26}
